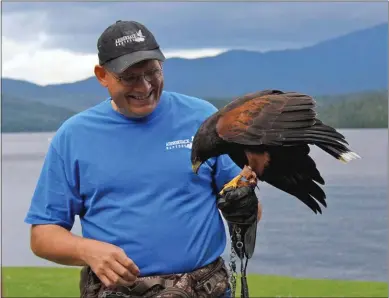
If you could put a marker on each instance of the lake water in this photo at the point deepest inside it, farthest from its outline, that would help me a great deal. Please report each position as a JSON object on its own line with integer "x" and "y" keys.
{"x": 349, "y": 241}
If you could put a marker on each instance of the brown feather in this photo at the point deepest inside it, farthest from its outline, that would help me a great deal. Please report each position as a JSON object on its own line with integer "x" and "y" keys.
{"x": 263, "y": 118}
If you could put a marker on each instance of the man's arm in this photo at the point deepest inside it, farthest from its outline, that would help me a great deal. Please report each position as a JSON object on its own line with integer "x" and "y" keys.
{"x": 259, "y": 210}
{"x": 109, "y": 262}
{"x": 56, "y": 244}
{"x": 54, "y": 205}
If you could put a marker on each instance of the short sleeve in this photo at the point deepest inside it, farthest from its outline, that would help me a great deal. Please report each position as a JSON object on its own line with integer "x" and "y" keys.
{"x": 55, "y": 199}
{"x": 225, "y": 171}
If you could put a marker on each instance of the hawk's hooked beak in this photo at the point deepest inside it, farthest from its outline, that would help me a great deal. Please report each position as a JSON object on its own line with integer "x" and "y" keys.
{"x": 196, "y": 166}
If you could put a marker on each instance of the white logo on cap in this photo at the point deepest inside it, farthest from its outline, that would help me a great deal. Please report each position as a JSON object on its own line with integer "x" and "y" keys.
{"x": 136, "y": 37}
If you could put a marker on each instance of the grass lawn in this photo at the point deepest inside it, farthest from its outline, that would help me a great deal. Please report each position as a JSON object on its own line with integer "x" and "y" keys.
{"x": 63, "y": 282}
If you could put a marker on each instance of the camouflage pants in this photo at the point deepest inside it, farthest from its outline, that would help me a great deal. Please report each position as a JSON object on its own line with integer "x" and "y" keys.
{"x": 209, "y": 281}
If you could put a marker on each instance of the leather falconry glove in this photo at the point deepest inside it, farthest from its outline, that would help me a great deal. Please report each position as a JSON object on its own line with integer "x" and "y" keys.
{"x": 239, "y": 206}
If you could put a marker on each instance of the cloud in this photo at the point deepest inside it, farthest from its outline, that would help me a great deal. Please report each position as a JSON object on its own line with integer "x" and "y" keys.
{"x": 193, "y": 54}
{"x": 33, "y": 63}
{"x": 59, "y": 42}
{"x": 188, "y": 25}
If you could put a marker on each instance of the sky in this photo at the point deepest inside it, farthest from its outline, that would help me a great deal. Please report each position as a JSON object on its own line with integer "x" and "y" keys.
{"x": 49, "y": 43}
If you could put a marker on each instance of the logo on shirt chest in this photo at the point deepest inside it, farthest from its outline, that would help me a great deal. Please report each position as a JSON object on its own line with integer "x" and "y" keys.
{"x": 185, "y": 143}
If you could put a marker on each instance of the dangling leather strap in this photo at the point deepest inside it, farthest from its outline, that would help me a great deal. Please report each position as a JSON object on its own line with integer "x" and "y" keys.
{"x": 243, "y": 246}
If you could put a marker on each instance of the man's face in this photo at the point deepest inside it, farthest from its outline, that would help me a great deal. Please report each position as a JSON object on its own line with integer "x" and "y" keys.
{"x": 132, "y": 94}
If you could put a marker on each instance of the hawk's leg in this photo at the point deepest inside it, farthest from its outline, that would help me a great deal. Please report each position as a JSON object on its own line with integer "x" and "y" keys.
{"x": 247, "y": 173}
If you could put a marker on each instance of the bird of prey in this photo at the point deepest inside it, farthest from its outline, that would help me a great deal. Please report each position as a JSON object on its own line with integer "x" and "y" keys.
{"x": 269, "y": 132}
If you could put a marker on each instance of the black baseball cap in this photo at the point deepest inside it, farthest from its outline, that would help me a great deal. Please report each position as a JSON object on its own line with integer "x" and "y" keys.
{"x": 125, "y": 43}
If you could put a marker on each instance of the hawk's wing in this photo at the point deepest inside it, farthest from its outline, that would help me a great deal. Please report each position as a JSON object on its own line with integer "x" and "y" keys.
{"x": 267, "y": 117}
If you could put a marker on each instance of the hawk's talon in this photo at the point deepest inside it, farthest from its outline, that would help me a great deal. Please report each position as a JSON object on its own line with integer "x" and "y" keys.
{"x": 232, "y": 184}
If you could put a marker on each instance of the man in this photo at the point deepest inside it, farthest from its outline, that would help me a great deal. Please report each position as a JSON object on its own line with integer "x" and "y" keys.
{"x": 124, "y": 168}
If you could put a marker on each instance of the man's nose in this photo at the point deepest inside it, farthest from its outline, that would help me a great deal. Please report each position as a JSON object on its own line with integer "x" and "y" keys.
{"x": 142, "y": 85}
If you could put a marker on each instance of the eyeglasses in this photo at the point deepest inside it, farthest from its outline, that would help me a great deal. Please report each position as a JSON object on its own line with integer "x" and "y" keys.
{"x": 131, "y": 80}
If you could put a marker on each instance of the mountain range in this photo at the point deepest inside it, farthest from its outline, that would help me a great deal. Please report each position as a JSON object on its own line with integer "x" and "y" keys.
{"x": 352, "y": 63}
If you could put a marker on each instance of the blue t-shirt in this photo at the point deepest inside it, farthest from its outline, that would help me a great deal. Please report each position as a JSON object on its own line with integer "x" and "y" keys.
{"x": 132, "y": 184}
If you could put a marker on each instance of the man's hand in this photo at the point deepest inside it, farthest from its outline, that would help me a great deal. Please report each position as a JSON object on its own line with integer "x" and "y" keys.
{"x": 109, "y": 263}
{"x": 242, "y": 211}
{"x": 239, "y": 205}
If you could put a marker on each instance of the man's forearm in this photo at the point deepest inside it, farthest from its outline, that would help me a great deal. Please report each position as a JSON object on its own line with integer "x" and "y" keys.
{"x": 259, "y": 211}
{"x": 58, "y": 245}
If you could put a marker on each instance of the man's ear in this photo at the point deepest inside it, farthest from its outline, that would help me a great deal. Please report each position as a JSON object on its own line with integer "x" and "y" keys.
{"x": 101, "y": 75}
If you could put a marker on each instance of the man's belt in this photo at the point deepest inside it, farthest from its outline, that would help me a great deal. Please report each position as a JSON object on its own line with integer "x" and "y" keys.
{"x": 208, "y": 281}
